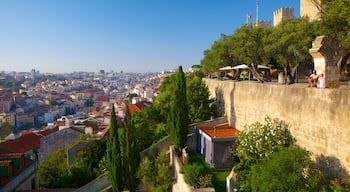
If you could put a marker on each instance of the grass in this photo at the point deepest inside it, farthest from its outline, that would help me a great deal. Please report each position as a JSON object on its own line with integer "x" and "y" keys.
{"x": 219, "y": 175}
{"x": 219, "y": 178}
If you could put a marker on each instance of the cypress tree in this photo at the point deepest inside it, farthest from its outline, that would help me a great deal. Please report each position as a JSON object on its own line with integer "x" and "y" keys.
{"x": 130, "y": 152}
{"x": 114, "y": 167}
{"x": 178, "y": 113}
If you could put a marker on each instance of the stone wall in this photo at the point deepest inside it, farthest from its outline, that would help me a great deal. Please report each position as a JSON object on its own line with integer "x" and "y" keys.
{"x": 319, "y": 118}
{"x": 56, "y": 141}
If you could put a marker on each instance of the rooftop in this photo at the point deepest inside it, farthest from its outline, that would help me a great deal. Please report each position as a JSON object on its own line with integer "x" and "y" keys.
{"x": 220, "y": 131}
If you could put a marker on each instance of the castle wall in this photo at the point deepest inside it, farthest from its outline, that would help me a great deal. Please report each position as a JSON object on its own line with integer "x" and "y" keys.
{"x": 281, "y": 14}
{"x": 310, "y": 8}
{"x": 319, "y": 118}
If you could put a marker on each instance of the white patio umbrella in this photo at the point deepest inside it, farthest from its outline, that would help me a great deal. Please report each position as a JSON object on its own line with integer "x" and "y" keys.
{"x": 244, "y": 66}
{"x": 226, "y": 68}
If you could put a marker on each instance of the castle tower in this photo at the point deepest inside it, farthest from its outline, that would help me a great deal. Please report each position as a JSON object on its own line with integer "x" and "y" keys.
{"x": 281, "y": 14}
{"x": 311, "y": 9}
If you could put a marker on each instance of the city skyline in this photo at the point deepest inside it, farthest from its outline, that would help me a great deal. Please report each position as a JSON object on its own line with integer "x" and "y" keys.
{"x": 62, "y": 36}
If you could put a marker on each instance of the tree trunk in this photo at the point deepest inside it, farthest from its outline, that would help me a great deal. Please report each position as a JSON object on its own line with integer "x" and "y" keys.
{"x": 254, "y": 69}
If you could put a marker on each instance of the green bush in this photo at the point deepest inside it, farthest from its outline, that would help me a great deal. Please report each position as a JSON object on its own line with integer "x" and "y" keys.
{"x": 192, "y": 172}
{"x": 205, "y": 181}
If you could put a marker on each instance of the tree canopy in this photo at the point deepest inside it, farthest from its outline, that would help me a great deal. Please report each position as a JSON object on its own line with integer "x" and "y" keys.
{"x": 289, "y": 169}
{"x": 177, "y": 119}
{"x": 258, "y": 141}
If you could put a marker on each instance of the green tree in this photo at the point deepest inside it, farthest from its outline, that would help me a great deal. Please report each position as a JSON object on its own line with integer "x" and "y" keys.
{"x": 163, "y": 100}
{"x": 335, "y": 21}
{"x": 335, "y": 24}
{"x": 177, "y": 120}
{"x": 289, "y": 44}
{"x": 249, "y": 42}
{"x": 155, "y": 172}
{"x": 256, "y": 142}
{"x": 289, "y": 169}
{"x": 129, "y": 151}
{"x": 219, "y": 55}
{"x": 144, "y": 135}
{"x": 163, "y": 176}
{"x": 114, "y": 163}
{"x": 53, "y": 169}
{"x": 5, "y": 129}
{"x": 198, "y": 99}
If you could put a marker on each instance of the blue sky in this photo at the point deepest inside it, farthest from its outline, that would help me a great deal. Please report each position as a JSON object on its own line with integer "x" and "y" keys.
{"x": 59, "y": 36}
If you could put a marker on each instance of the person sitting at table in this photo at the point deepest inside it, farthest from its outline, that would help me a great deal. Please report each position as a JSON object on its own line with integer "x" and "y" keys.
{"x": 312, "y": 79}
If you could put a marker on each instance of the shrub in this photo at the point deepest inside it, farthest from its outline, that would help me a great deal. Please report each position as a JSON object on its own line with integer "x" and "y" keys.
{"x": 205, "y": 181}
{"x": 193, "y": 172}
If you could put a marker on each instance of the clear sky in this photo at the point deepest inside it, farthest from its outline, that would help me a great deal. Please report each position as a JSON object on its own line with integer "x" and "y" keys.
{"x": 131, "y": 35}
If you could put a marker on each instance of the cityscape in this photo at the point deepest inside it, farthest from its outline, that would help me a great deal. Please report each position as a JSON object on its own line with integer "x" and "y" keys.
{"x": 248, "y": 117}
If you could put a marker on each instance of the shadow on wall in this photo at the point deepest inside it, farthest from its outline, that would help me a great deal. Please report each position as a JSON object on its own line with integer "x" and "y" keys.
{"x": 233, "y": 111}
{"x": 331, "y": 167}
{"x": 220, "y": 102}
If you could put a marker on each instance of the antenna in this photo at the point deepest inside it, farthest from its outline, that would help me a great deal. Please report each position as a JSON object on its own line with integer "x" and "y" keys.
{"x": 257, "y": 12}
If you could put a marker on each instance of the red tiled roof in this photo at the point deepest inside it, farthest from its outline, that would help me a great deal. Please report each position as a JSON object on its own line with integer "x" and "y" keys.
{"x": 92, "y": 90}
{"x": 143, "y": 104}
{"x": 24, "y": 143}
{"x": 134, "y": 108}
{"x": 222, "y": 131}
{"x": 138, "y": 106}
{"x": 102, "y": 98}
{"x": 48, "y": 131}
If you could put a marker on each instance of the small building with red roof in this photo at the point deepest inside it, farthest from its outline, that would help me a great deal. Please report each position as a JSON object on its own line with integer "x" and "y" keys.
{"x": 214, "y": 144}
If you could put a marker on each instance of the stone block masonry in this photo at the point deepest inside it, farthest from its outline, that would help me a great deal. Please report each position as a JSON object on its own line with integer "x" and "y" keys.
{"x": 319, "y": 118}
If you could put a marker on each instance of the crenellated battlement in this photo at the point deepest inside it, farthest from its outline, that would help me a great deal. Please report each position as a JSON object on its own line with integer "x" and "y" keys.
{"x": 282, "y": 13}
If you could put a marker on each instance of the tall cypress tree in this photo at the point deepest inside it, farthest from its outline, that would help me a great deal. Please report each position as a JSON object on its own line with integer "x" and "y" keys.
{"x": 130, "y": 153}
{"x": 114, "y": 167}
{"x": 178, "y": 113}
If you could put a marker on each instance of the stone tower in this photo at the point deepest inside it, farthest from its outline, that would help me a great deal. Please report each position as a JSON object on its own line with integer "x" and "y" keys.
{"x": 311, "y": 9}
{"x": 282, "y": 13}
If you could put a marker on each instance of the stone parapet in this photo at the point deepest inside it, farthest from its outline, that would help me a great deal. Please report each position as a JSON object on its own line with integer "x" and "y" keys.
{"x": 318, "y": 118}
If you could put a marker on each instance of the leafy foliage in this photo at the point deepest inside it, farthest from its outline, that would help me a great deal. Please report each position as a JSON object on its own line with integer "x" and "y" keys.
{"x": 177, "y": 119}
{"x": 53, "y": 169}
{"x": 5, "y": 129}
{"x": 113, "y": 155}
{"x": 289, "y": 169}
{"x": 198, "y": 100}
{"x": 129, "y": 152}
{"x": 156, "y": 173}
{"x": 335, "y": 21}
{"x": 285, "y": 45}
{"x": 258, "y": 141}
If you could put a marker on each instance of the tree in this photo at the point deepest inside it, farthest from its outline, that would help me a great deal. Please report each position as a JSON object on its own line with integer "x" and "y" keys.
{"x": 155, "y": 172}
{"x": 198, "y": 99}
{"x": 5, "y": 129}
{"x": 335, "y": 24}
{"x": 163, "y": 100}
{"x": 129, "y": 152}
{"x": 163, "y": 176}
{"x": 115, "y": 172}
{"x": 289, "y": 169}
{"x": 256, "y": 142}
{"x": 144, "y": 135}
{"x": 177, "y": 120}
{"x": 289, "y": 44}
{"x": 335, "y": 21}
{"x": 53, "y": 169}
{"x": 219, "y": 55}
